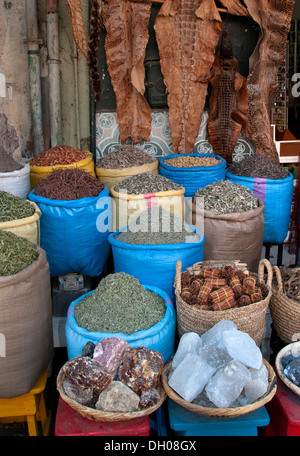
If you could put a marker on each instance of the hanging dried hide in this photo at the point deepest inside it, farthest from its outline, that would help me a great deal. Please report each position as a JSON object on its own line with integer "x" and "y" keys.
{"x": 274, "y": 18}
{"x": 127, "y": 36}
{"x": 75, "y": 12}
{"x": 187, "y": 33}
{"x": 93, "y": 45}
{"x": 235, "y": 7}
{"x": 228, "y": 102}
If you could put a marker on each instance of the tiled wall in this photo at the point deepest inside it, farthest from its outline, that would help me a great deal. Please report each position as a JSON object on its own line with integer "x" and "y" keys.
{"x": 160, "y": 144}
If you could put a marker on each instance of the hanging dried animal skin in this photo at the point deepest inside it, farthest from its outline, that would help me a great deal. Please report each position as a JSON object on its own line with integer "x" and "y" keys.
{"x": 77, "y": 24}
{"x": 228, "y": 102}
{"x": 235, "y": 7}
{"x": 97, "y": 7}
{"x": 274, "y": 18}
{"x": 187, "y": 33}
{"x": 127, "y": 25}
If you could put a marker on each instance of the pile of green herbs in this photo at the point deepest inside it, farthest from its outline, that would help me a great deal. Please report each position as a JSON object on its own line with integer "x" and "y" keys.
{"x": 16, "y": 253}
{"x": 120, "y": 304}
{"x": 14, "y": 208}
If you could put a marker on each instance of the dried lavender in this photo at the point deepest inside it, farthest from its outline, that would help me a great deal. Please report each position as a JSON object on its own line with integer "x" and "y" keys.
{"x": 259, "y": 166}
{"x": 7, "y": 163}
{"x": 16, "y": 253}
{"x": 146, "y": 183}
{"x": 225, "y": 197}
{"x": 13, "y": 207}
{"x": 125, "y": 156}
{"x": 157, "y": 226}
{"x": 119, "y": 304}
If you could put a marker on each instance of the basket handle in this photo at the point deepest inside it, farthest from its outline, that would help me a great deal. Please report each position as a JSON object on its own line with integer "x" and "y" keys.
{"x": 278, "y": 277}
{"x": 178, "y": 276}
{"x": 264, "y": 263}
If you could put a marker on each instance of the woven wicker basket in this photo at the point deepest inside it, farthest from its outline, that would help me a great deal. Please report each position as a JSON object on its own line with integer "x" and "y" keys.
{"x": 294, "y": 349}
{"x": 98, "y": 415}
{"x": 250, "y": 319}
{"x": 230, "y": 412}
{"x": 285, "y": 312}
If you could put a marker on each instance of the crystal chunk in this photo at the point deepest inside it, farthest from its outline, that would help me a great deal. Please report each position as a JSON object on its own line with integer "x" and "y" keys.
{"x": 242, "y": 347}
{"x": 189, "y": 343}
{"x": 227, "y": 384}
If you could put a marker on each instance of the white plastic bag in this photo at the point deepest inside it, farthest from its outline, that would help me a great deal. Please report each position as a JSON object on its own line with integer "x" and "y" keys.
{"x": 16, "y": 182}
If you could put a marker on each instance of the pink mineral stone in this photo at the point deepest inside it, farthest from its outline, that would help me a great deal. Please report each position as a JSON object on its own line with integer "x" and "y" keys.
{"x": 109, "y": 353}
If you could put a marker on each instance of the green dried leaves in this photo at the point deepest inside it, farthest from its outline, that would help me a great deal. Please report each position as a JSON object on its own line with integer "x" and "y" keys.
{"x": 16, "y": 253}
{"x": 14, "y": 208}
{"x": 146, "y": 183}
{"x": 225, "y": 197}
{"x": 157, "y": 226}
{"x": 119, "y": 304}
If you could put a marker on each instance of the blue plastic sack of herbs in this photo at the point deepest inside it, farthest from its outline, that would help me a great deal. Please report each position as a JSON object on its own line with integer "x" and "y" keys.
{"x": 75, "y": 222}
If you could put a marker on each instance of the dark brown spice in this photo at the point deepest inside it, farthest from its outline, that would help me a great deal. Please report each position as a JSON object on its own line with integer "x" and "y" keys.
{"x": 259, "y": 166}
{"x": 69, "y": 184}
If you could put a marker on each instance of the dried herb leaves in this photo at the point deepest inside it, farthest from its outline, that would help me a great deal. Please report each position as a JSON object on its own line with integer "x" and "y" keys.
{"x": 14, "y": 208}
{"x": 120, "y": 304}
{"x": 16, "y": 253}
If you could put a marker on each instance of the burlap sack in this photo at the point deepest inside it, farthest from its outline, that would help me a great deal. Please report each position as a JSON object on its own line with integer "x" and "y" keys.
{"x": 25, "y": 327}
{"x": 235, "y": 236}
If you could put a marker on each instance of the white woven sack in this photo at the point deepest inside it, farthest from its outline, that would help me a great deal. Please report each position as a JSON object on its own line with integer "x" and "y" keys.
{"x": 16, "y": 182}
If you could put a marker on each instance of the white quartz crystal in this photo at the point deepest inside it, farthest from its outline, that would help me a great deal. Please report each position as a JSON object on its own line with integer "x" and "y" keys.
{"x": 214, "y": 356}
{"x": 214, "y": 336}
{"x": 242, "y": 347}
{"x": 190, "y": 376}
{"x": 189, "y": 343}
{"x": 258, "y": 385}
{"x": 227, "y": 384}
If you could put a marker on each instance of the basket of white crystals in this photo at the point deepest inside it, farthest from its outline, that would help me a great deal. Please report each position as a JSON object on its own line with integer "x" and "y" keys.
{"x": 221, "y": 373}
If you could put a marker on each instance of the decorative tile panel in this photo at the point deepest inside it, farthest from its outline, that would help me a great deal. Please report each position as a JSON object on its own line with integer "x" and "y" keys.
{"x": 160, "y": 144}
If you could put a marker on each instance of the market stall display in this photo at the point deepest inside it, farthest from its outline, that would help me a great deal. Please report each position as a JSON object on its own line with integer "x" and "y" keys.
{"x": 222, "y": 373}
{"x": 199, "y": 273}
{"x": 114, "y": 382}
{"x": 125, "y": 161}
{"x": 214, "y": 304}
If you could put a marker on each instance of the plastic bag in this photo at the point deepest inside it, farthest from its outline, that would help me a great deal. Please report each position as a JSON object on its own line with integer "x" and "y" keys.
{"x": 74, "y": 233}
{"x": 160, "y": 337}
{"x": 277, "y": 195}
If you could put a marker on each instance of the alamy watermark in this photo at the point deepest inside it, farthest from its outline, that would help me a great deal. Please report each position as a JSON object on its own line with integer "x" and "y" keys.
{"x": 296, "y": 87}
{"x": 132, "y": 215}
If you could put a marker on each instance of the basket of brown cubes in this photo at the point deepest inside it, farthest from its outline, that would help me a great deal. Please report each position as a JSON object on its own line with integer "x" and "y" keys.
{"x": 210, "y": 291}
